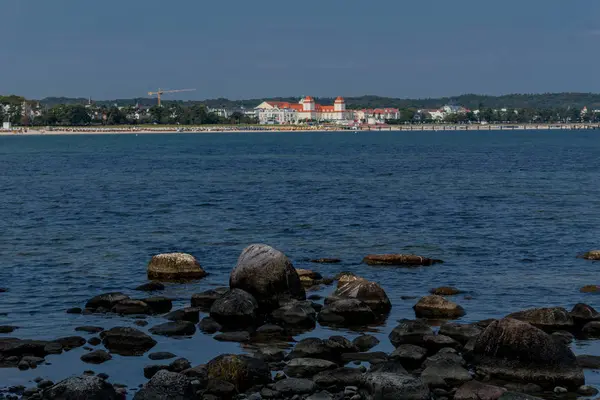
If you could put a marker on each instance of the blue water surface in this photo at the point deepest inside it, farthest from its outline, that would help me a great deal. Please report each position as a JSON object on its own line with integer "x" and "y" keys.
{"x": 80, "y": 215}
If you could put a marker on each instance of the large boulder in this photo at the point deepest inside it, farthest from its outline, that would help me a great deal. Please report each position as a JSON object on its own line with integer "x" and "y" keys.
{"x": 175, "y": 267}
{"x": 127, "y": 341}
{"x": 268, "y": 275}
{"x": 105, "y": 301}
{"x": 81, "y": 388}
{"x": 235, "y": 309}
{"x": 167, "y": 385}
{"x": 402, "y": 260}
{"x": 514, "y": 350}
{"x": 434, "y": 306}
{"x": 410, "y": 332}
{"x": 240, "y": 370}
{"x": 347, "y": 312}
{"x": 393, "y": 386}
{"x": 548, "y": 319}
{"x": 366, "y": 291}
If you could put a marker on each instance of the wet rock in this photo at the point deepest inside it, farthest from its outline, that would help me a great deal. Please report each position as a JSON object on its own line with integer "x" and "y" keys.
{"x": 167, "y": 385}
{"x": 7, "y": 329}
{"x": 150, "y": 287}
{"x": 390, "y": 366}
{"x": 593, "y": 255}
{"x": 89, "y": 329}
{"x": 445, "y": 291}
{"x": 295, "y": 386}
{"x": 131, "y": 307}
{"x": 307, "y": 367}
{"x": 434, "y": 343}
{"x": 175, "y": 267}
{"x": 180, "y": 365}
{"x": 410, "y": 332}
{"x": 313, "y": 348}
{"x": 296, "y": 314}
{"x": 591, "y": 330}
{"x": 239, "y": 337}
{"x": 583, "y": 313}
{"x": 373, "y": 357}
{"x": 240, "y": 370}
{"x": 270, "y": 330}
{"x": 339, "y": 377}
{"x": 141, "y": 322}
{"x": 205, "y": 300}
{"x": 320, "y": 396}
{"x": 445, "y": 356}
{"x": 409, "y": 355}
{"x": 151, "y": 370}
{"x": 268, "y": 275}
{"x": 588, "y": 362}
{"x": 235, "y": 309}
{"x": 220, "y": 389}
{"x": 564, "y": 337}
{"x": 53, "y": 348}
{"x": 106, "y": 301}
{"x": 127, "y": 341}
{"x": 590, "y": 289}
{"x": 96, "y": 357}
{"x": 199, "y": 373}
{"x": 159, "y": 305}
{"x": 176, "y": 328}
{"x": 81, "y": 387}
{"x": 209, "y": 325}
{"x": 587, "y": 391}
{"x": 517, "y": 396}
{"x": 437, "y": 307}
{"x": 161, "y": 355}
{"x": 10, "y": 347}
{"x": 517, "y": 351}
{"x": 402, "y": 260}
{"x": 390, "y": 386}
{"x": 45, "y": 383}
{"x": 340, "y": 345}
{"x": 308, "y": 277}
{"x": 346, "y": 312}
{"x": 366, "y": 291}
{"x": 190, "y": 314}
{"x": 326, "y": 261}
{"x": 74, "y": 310}
{"x": 445, "y": 373}
{"x": 460, "y": 332}
{"x": 70, "y": 342}
{"x": 474, "y": 390}
{"x": 365, "y": 342}
{"x": 548, "y": 319}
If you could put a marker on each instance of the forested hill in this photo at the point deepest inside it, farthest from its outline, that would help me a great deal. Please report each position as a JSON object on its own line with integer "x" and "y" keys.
{"x": 472, "y": 101}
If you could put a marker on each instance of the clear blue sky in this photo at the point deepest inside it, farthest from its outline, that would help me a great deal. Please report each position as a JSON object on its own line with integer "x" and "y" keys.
{"x": 252, "y": 49}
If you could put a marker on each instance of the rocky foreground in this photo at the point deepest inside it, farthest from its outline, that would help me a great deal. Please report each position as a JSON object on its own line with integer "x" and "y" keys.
{"x": 523, "y": 355}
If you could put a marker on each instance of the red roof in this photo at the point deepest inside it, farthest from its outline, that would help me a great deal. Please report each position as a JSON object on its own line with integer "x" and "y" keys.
{"x": 308, "y": 98}
{"x": 339, "y": 99}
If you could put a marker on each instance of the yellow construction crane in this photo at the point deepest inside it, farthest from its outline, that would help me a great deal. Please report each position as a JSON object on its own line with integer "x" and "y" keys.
{"x": 160, "y": 92}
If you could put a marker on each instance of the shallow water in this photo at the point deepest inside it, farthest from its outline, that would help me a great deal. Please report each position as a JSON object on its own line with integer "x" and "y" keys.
{"x": 82, "y": 215}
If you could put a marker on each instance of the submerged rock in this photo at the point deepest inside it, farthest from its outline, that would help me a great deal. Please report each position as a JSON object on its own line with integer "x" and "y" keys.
{"x": 159, "y": 304}
{"x": 346, "y": 312}
{"x": 240, "y": 370}
{"x": 106, "y": 301}
{"x": 588, "y": 362}
{"x": 81, "y": 387}
{"x": 206, "y": 299}
{"x": 209, "y": 325}
{"x": 460, "y": 332}
{"x": 131, "y": 307}
{"x": 366, "y": 291}
{"x": 150, "y": 287}
{"x": 513, "y": 350}
{"x": 445, "y": 291}
{"x": 268, "y": 275}
{"x": 96, "y": 357}
{"x": 410, "y": 332}
{"x": 399, "y": 260}
{"x": 176, "y": 328}
{"x": 547, "y": 319}
{"x": 235, "y": 309}
{"x": 434, "y": 306}
{"x": 590, "y": 289}
{"x": 409, "y": 355}
{"x": 175, "y": 267}
{"x": 127, "y": 341}
{"x": 190, "y": 314}
{"x": 326, "y": 261}
{"x": 593, "y": 255}
{"x": 239, "y": 337}
{"x": 365, "y": 342}
{"x": 296, "y": 314}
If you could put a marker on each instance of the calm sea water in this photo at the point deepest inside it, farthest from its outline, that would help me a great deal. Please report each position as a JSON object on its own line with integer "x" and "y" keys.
{"x": 82, "y": 215}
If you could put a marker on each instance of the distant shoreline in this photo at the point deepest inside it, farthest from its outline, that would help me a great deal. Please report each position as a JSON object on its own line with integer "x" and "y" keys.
{"x": 222, "y": 129}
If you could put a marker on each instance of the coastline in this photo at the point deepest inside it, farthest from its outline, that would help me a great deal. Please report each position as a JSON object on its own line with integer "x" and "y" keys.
{"x": 281, "y": 129}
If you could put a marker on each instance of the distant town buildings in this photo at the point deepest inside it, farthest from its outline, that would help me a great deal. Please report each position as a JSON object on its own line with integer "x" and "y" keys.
{"x": 279, "y": 112}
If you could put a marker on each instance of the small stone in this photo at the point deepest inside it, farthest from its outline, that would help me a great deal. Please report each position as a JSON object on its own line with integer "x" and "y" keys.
{"x": 240, "y": 337}
{"x": 161, "y": 356}
{"x": 7, "y": 329}
{"x": 365, "y": 342}
{"x": 356, "y": 397}
{"x": 38, "y": 379}
{"x": 445, "y": 291}
{"x": 209, "y": 325}
{"x": 102, "y": 375}
{"x": 74, "y": 310}
{"x": 45, "y": 384}
{"x": 96, "y": 357}
{"x": 141, "y": 323}
{"x": 587, "y": 391}
{"x": 89, "y": 329}
{"x": 95, "y": 341}
{"x": 560, "y": 390}
{"x": 150, "y": 287}
{"x": 190, "y": 314}
{"x": 177, "y": 328}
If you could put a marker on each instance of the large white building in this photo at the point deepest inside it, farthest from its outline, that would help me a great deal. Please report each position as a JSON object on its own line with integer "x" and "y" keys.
{"x": 279, "y": 112}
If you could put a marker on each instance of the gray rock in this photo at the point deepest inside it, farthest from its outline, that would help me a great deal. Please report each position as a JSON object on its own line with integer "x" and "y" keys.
{"x": 340, "y": 377}
{"x": 161, "y": 355}
{"x": 80, "y": 388}
{"x": 434, "y": 343}
{"x": 587, "y": 391}
{"x": 190, "y": 314}
{"x": 150, "y": 287}
{"x": 365, "y": 342}
{"x": 209, "y": 325}
{"x": 179, "y": 365}
{"x": 370, "y": 293}
{"x": 240, "y": 370}
{"x": 591, "y": 330}
{"x": 313, "y": 348}
{"x": 296, "y": 314}
{"x": 268, "y": 275}
{"x": 390, "y": 386}
{"x": 548, "y": 319}
{"x": 177, "y": 328}
{"x": 474, "y": 390}
{"x": 588, "y": 362}
{"x": 583, "y": 313}
{"x": 127, "y": 341}
{"x": 235, "y": 309}
{"x": 270, "y": 354}
{"x": 96, "y": 357}
{"x": 131, "y": 307}
{"x": 320, "y": 396}
{"x": 517, "y": 396}
{"x": 167, "y": 385}
{"x": 460, "y": 332}
{"x": 517, "y": 351}
{"x": 239, "y": 336}
{"x": 205, "y": 300}
{"x": 307, "y": 367}
{"x": 221, "y": 389}
{"x": 89, "y": 329}
{"x": 159, "y": 304}
{"x": 434, "y": 306}
{"x": 445, "y": 373}
{"x": 45, "y": 383}
{"x": 373, "y": 357}
{"x": 106, "y": 300}
{"x": 151, "y": 370}
{"x": 410, "y": 332}
{"x": 293, "y": 386}
{"x": 409, "y": 355}
{"x": 400, "y": 260}
{"x": 71, "y": 342}
{"x": 346, "y": 312}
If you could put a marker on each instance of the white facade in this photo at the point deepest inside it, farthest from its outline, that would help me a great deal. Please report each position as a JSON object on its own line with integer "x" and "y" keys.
{"x": 276, "y": 112}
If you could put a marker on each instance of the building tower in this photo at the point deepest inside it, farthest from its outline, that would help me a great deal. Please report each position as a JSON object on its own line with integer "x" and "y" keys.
{"x": 308, "y": 104}
{"x": 339, "y": 104}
